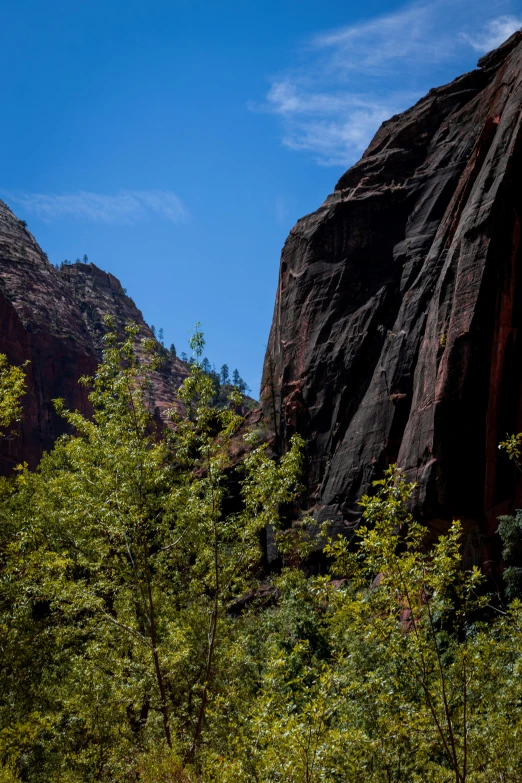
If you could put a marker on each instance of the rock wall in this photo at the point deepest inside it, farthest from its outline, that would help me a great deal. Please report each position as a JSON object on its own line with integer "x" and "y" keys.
{"x": 53, "y": 319}
{"x": 396, "y": 329}
{"x": 39, "y": 323}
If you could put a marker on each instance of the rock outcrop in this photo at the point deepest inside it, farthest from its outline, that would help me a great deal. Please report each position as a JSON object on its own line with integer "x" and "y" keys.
{"x": 40, "y": 323}
{"x": 396, "y": 332}
{"x": 54, "y": 320}
{"x": 97, "y": 294}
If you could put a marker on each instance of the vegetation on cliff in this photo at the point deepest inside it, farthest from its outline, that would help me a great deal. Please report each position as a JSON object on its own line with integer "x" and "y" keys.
{"x": 142, "y": 640}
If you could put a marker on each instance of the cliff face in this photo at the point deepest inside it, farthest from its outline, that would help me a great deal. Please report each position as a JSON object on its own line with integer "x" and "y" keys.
{"x": 40, "y": 323}
{"x": 395, "y": 335}
{"x": 54, "y": 319}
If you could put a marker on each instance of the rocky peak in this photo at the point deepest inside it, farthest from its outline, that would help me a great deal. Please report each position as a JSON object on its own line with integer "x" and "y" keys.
{"x": 39, "y": 323}
{"x": 54, "y": 320}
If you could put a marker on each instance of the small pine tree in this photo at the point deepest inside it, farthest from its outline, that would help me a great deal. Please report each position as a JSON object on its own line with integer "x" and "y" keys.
{"x": 236, "y": 378}
{"x": 153, "y": 330}
{"x": 184, "y": 357}
{"x": 225, "y": 376}
{"x": 161, "y": 335}
{"x": 205, "y": 365}
{"x": 172, "y": 350}
{"x": 85, "y": 258}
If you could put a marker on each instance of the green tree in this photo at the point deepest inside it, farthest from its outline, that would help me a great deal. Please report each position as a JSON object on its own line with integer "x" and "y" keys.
{"x": 12, "y": 387}
{"x": 120, "y": 569}
{"x": 510, "y": 527}
{"x": 394, "y": 670}
{"x": 224, "y": 374}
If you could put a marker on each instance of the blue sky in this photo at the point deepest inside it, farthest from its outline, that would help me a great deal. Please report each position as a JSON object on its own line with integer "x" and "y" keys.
{"x": 177, "y": 142}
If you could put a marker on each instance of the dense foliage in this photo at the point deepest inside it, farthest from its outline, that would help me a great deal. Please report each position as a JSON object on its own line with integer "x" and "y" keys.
{"x": 142, "y": 640}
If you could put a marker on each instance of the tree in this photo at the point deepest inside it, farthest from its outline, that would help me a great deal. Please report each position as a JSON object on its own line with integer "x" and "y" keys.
{"x": 206, "y": 366}
{"x": 224, "y": 374}
{"x": 121, "y": 565}
{"x": 398, "y": 669}
{"x": 184, "y": 357}
{"x": 510, "y": 527}
{"x": 172, "y": 350}
{"x": 85, "y": 258}
{"x": 236, "y": 378}
{"x": 161, "y": 335}
{"x": 153, "y": 330}
{"x": 12, "y": 387}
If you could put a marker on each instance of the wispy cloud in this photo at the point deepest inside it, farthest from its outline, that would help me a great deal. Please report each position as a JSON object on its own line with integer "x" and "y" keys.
{"x": 400, "y": 36}
{"x": 495, "y": 32}
{"x": 125, "y": 207}
{"x": 281, "y": 211}
{"x": 346, "y": 81}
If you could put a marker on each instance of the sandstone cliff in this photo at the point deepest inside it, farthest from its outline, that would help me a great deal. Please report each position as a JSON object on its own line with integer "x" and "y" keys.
{"x": 54, "y": 319}
{"x": 395, "y": 335}
{"x": 40, "y": 323}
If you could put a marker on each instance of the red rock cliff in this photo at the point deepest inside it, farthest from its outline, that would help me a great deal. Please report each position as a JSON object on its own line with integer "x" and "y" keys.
{"x": 54, "y": 319}
{"x": 396, "y": 330}
{"x": 40, "y": 323}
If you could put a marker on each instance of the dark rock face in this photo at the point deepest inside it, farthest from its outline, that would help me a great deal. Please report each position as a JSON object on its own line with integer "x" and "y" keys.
{"x": 396, "y": 331}
{"x": 54, "y": 320}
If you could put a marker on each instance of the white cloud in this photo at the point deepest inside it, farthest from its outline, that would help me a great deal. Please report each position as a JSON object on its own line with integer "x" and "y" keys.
{"x": 402, "y": 35}
{"x": 494, "y": 33}
{"x": 329, "y": 125}
{"x": 124, "y": 207}
{"x": 333, "y": 142}
{"x": 347, "y": 81}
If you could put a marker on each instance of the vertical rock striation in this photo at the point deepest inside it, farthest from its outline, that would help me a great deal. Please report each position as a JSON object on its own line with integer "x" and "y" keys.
{"x": 396, "y": 330}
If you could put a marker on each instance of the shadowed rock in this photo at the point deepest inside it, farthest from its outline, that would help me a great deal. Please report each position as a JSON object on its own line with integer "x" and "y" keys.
{"x": 395, "y": 335}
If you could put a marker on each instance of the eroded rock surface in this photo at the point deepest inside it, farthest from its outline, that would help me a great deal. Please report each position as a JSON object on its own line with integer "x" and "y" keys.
{"x": 396, "y": 330}
{"x": 54, "y": 320}
{"x": 39, "y": 323}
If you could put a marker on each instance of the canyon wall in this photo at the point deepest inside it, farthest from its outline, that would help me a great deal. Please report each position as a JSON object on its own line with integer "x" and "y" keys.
{"x": 396, "y": 329}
